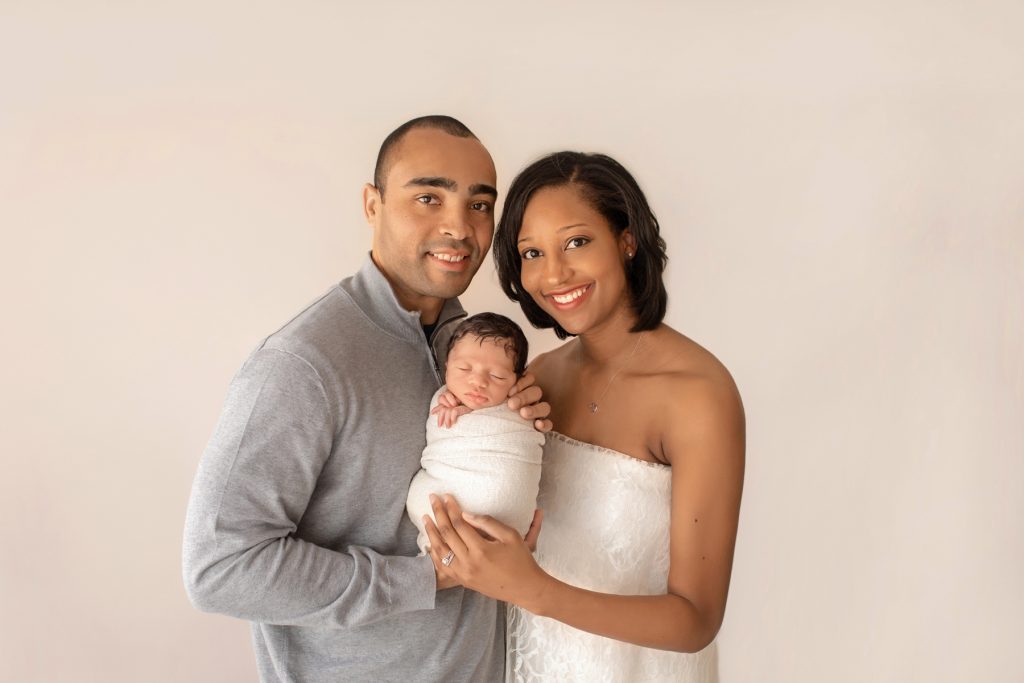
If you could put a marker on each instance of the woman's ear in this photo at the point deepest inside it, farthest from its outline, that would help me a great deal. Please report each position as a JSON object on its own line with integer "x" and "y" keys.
{"x": 628, "y": 243}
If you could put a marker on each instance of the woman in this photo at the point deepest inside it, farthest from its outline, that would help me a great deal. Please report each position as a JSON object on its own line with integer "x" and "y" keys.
{"x": 641, "y": 487}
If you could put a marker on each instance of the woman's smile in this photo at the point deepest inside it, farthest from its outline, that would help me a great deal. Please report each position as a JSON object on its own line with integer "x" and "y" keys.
{"x": 567, "y": 299}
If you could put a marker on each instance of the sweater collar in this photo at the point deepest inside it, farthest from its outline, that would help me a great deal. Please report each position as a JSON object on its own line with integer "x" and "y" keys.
{"x": 372, "y": 292}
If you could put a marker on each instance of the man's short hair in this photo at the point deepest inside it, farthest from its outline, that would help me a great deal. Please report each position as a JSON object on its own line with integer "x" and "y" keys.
{"x": 486, "y": 326}
{"x": 614, "y": 193}
{"x": 441, "y": 122}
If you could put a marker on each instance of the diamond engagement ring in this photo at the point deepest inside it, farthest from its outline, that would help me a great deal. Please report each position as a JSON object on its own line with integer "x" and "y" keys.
{"x": 447, "y": 559}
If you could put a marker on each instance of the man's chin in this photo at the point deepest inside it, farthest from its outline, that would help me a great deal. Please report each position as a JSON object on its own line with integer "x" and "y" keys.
{"x": 451, "y": 285}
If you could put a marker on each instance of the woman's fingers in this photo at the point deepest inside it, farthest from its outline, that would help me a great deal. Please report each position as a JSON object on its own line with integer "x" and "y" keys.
{"x": 444, "y": 520}
{"x": 438, "y": 550}
{"x": 491, "y": 527}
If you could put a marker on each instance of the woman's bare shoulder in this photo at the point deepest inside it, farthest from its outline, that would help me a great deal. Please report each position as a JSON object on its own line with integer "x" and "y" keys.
{"x": 548, "y": 364}
{"x": 694, "y": 381}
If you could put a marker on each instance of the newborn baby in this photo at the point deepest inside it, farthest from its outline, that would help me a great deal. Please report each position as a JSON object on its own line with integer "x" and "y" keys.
{"x": 478, "y": 450}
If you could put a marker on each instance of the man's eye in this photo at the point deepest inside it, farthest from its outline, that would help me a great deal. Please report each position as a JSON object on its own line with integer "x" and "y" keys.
{"x": 427, "y": 199}
{"x": 576, "y": 242}
{"x": 530, "y": 254}
{"x": 484, "y": 207}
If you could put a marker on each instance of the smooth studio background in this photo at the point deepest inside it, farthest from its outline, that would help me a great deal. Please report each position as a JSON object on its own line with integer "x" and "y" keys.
{"x": 840, "y": 188}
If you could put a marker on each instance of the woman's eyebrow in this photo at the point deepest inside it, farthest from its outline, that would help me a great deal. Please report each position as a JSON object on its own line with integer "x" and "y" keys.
{"x": 562, "y": 229}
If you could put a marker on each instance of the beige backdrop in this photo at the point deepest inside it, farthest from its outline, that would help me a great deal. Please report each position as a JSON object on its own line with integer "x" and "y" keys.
{"x": 841, "y": 194}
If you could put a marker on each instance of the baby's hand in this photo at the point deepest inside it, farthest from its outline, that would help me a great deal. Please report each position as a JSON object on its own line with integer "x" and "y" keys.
{"x": 448, "y": 399}
{"x": 447, "y": 415}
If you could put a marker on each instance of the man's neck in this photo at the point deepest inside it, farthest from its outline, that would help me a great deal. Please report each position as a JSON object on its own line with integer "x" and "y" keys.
{"x": 428, "y": 307}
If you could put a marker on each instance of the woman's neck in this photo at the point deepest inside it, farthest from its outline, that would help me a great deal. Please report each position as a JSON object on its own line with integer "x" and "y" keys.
{"x": 608, "y": 341}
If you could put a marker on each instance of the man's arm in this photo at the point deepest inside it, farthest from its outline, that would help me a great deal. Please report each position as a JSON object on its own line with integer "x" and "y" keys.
{"x": 255, "y": 480}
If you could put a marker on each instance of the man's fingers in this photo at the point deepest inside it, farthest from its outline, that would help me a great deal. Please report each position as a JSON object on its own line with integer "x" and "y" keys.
{"x": 529, "y": 395}
{"x": 534, "y": 531}
{"x": 536, "y": 411}
{"x": 527, "y": 380}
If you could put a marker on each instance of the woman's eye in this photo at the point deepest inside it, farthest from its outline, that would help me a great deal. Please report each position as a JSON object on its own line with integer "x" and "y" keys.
{"x": 529, "y": 254}
{"x": 576, "y": 242}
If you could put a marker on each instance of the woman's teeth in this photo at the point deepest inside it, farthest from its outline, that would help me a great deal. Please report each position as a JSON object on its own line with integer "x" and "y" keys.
{"x": 570, "y": 296}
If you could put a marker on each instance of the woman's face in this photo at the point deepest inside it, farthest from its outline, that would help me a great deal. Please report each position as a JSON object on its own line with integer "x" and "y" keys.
{"x": 573, "y": 265}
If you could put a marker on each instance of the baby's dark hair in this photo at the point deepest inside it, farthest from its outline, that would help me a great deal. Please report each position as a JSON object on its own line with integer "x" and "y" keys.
{"x": 499, "y": 328}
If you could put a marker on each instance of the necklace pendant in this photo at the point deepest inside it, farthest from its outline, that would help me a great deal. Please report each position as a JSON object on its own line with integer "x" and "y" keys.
{"x": 592, "y": 406}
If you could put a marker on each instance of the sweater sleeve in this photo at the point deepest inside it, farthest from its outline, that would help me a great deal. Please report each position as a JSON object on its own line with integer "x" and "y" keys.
{"x": 255, "y": 480}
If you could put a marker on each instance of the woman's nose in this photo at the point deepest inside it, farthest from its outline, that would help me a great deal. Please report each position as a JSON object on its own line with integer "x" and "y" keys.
{"x": 555, "y": 270}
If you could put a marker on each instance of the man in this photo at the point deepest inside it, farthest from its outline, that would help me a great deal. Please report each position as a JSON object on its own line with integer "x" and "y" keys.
{"x": 297, "y": 516}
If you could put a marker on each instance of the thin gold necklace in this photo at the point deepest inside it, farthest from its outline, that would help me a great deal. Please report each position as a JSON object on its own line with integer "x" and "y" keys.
{"x": 593, "y": 405}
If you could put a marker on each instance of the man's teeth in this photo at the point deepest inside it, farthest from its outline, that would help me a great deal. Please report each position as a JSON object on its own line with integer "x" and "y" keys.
{"x": 451, "y": 258}
{"x": 570, "y": 297}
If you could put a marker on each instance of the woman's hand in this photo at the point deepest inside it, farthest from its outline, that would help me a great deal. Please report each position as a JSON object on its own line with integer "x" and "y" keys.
{"x": 525, "y": 396}
{"x": 488, "y": 556}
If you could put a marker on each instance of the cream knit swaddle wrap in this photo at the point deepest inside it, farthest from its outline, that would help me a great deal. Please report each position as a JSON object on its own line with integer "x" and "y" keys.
{"x": 489, "y": 460}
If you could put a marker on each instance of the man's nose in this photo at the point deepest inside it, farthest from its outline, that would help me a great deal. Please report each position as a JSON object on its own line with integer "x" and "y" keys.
{"x": 455, "y": 222}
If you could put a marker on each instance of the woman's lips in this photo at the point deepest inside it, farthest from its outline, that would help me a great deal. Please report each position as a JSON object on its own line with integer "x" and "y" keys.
{"x": 567, "y": 299}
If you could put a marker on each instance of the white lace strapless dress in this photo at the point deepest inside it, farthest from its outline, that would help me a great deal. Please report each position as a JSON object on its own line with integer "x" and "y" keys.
{"x": 606, "y": 528}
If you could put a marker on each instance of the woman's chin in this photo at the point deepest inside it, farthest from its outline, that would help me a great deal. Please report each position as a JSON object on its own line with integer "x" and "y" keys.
{"x": 573, "y": 327}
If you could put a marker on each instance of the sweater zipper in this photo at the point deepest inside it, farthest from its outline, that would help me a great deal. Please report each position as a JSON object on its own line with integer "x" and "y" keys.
{"x": 430, "y": 346}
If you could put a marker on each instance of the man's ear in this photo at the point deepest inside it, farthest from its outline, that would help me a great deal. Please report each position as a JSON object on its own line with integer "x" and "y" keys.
{"x": 371, "y": 203}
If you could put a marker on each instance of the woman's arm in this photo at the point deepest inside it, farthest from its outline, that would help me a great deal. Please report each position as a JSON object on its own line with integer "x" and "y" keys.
{"x": 705, "y": 449}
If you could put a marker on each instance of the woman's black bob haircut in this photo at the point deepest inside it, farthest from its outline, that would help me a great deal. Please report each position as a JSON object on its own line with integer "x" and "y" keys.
{"x": 611, "y": 191}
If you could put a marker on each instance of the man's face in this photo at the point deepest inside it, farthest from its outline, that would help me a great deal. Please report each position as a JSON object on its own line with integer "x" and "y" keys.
{"x": 433, "y": 223}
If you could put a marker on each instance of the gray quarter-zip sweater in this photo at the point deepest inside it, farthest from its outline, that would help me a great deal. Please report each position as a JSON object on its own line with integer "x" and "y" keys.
{"x": 297, "y": 516}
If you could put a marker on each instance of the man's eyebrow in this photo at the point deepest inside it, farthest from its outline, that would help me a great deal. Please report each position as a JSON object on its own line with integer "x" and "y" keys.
{"x": 434, "y": 181}
{"x": 481, "y": 188}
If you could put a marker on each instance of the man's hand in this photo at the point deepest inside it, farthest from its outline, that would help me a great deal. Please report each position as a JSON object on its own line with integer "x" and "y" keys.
{"x": 525, "y": 396}
{"x": 534, "y": 531}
